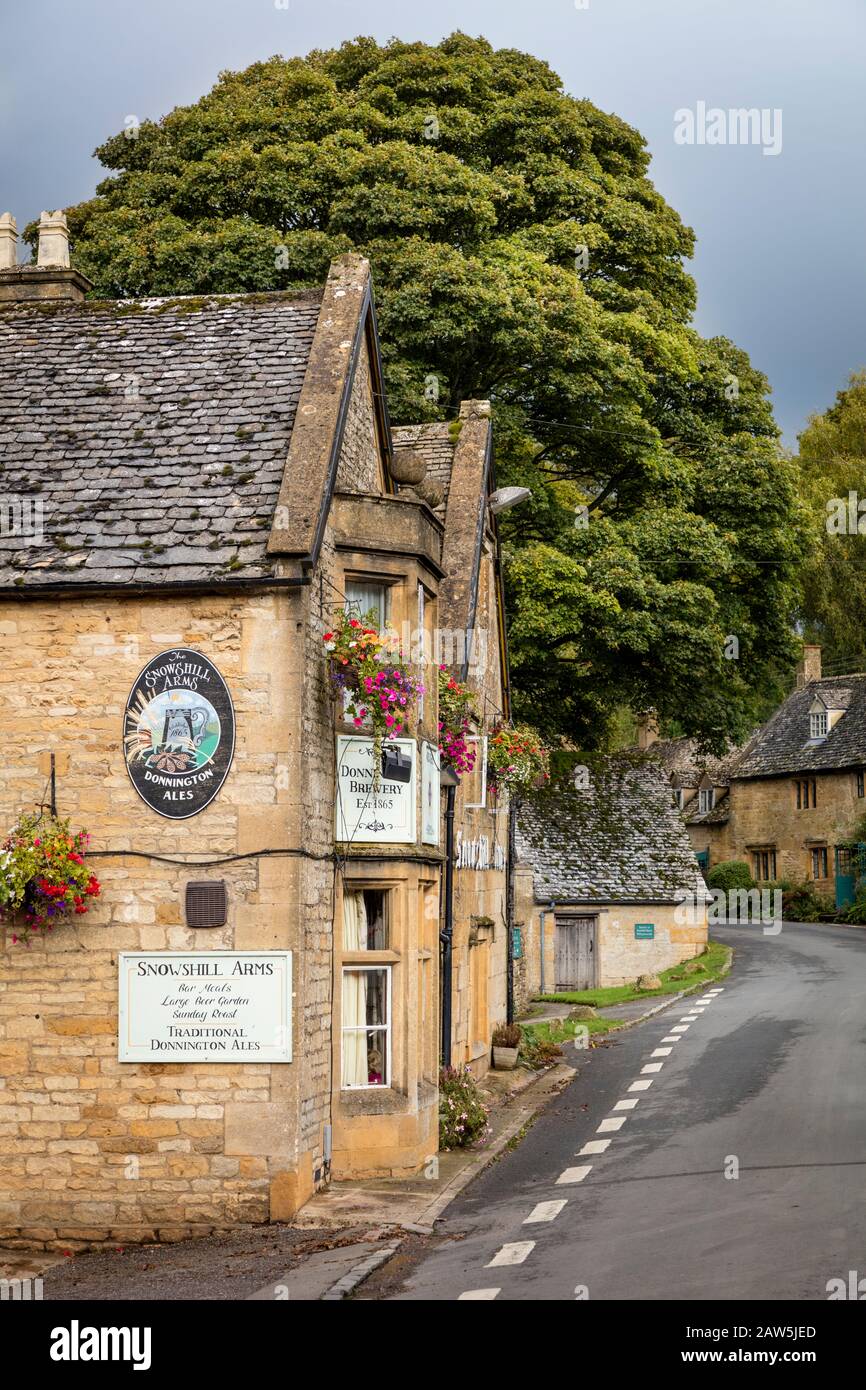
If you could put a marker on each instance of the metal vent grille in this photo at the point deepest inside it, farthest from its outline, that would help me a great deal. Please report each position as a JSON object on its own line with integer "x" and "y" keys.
{"x": 206, "y": 903}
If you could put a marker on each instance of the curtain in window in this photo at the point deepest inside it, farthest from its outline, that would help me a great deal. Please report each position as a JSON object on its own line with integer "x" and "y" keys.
{"x": 360, "y": 598}
{"x": 354, "y": 1072}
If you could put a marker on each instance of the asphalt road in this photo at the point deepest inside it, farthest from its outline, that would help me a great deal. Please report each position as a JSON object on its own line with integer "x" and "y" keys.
{"x": 768, "y": 1078}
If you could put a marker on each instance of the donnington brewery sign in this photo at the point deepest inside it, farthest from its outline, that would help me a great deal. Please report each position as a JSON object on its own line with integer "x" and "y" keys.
{"x": 179, "y": 733}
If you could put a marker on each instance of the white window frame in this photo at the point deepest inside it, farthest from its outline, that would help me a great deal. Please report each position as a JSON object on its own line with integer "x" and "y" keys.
{"x": 386, "y": 1028}
{"x": 819, "y": 724}
{"x": 706, "y": 800}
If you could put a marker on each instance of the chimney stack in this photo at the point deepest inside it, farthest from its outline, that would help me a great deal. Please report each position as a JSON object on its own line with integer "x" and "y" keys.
{"x": 647, "y": 729}
{"x": 51, "y": 278}
{"x": 53, "y": 240}
{"x": 8, "y": 242}
{"x": 809, "y": 666}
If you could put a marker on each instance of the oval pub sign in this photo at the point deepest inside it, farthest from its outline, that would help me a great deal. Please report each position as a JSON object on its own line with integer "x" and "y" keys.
{"x": 179, "y": 733}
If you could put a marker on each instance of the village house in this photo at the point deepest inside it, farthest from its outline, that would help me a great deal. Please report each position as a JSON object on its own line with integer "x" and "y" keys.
{"x": 788, "y": 802}
{"x": 606, "y": 884}
{"x": 251, "y": 1007}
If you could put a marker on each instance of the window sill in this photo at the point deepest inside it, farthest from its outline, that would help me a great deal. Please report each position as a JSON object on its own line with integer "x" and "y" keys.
{"x": 370, "y": 957}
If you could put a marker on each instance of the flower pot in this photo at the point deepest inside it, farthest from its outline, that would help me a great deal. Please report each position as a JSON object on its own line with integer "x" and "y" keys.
{"x": 505, "y": 1058}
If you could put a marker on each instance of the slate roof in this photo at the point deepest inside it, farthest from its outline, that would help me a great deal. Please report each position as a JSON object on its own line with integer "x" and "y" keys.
{"x": 783, "y": 744}
{"x": 154, "y": 432}
{"x": 621, "y": 839}
{"x": 686, "y": 765}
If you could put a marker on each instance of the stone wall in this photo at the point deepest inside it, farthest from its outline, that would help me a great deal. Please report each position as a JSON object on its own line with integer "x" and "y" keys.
{"x": 95, "y": 1149}
{"x": 620, "y": 957}
{"x": 763, "y": 812}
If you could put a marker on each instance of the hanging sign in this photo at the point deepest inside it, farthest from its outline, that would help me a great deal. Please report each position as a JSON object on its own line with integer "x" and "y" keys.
{"x": 367, "y": 813}
{"x": 429, "y": 794}
{"x": 179, "y": 733}
{"x": 205, "y": 1006}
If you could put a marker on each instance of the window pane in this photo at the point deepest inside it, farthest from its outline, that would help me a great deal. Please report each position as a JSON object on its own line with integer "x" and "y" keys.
{"x": 365, "y": 1033}
{"x": 375, "y": 901}
{"x": 362, "y": 598}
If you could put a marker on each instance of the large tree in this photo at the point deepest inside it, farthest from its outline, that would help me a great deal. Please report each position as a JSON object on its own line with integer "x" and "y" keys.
{"x": 521, "y": 253}
{"x": 832, "y": 464}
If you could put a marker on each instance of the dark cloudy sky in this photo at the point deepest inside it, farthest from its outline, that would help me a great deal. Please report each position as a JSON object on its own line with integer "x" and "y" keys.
{"x": 780, "y": 258}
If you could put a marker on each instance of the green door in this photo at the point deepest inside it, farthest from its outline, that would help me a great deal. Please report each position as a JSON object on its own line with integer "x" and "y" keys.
{"x": 845, "y": 875}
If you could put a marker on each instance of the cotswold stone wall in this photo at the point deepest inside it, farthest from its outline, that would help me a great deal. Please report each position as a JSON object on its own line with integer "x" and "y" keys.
{"x": 764, "y": 812}
{"x": 679, "y": 935}
{"x": 93, "y": 1149}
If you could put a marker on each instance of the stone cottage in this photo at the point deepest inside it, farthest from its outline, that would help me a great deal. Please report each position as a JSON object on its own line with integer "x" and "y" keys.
{"x": 789, "y": 801}
{"x": 604, "y": 868}
{"x": 196, "y": 488}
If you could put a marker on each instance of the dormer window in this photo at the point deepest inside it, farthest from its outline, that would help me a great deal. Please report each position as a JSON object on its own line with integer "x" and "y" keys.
{"x": 706, "y": 799}
{"x": 818, "y": 724}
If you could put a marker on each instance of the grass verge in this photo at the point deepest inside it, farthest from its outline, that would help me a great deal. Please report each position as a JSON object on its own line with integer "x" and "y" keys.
{"x": 713, "y": 961}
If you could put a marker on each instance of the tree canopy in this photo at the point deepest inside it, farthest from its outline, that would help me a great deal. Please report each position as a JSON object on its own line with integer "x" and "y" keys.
{"x": 832, "y": 478}
{"x": 520, "y": 252}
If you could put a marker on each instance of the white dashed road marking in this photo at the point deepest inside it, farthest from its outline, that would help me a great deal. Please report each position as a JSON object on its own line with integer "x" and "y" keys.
{"x": 626, "y": 1104}
{"x": 595, "y": 1146}
{"x": 513, "y": 1254}
{"x": 681, "y": 1028}
{"x": 612, "y": 1122}
{"x": 662, "y": 1052}
{"x": 652, "y": 1066}
{"x": 478, "y": 1295}
{"x": 545, "y": 1211}
{"x": 574, "y": 1174}
{"x": 641, "y": 1085}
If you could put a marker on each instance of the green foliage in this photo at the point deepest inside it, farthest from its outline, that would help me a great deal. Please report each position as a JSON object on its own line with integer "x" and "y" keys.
{"x": 520, "y": 252}
{"x": 855, "y": 913}
{"x": 802, "y": 903}
{"x": 462, "y": 1112}
{"x": 832, "y": 463}
{"x": 730, "y": 873}
{"x": 539, "y": 1043}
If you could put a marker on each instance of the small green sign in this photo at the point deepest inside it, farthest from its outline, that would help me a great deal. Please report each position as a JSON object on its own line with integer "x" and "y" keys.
{"x": 644, "y": 931}
{"x": 516, "y": 943}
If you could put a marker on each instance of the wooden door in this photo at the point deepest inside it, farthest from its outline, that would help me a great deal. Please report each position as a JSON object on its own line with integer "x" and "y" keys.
{"x": 575, "y": 953}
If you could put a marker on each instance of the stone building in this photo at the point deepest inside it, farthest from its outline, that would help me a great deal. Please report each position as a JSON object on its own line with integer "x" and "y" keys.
{"x": 472, "y": 644}
{"x": 197, "y": 487}
{"x": 603, "y": 867}
{"x": 788, "y": 802}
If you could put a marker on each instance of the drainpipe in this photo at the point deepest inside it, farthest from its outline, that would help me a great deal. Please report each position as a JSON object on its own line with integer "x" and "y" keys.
{"x": 446, "y": 935}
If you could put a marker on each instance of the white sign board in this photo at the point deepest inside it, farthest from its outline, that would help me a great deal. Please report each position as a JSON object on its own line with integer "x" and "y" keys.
{"x": 429, "y": 794}
{"x": 205, "y": 1006}
{"x": 385, "y": 815}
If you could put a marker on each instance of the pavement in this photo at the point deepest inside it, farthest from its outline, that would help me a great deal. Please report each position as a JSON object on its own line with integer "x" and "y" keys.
{"x": 717, "y": 1151}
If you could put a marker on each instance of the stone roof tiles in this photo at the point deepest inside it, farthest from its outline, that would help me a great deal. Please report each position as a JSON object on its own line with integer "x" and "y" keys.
{"x": 784, "y": 744}
{"x": 153, "y": 433}
{"x": 619, "y": 839}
